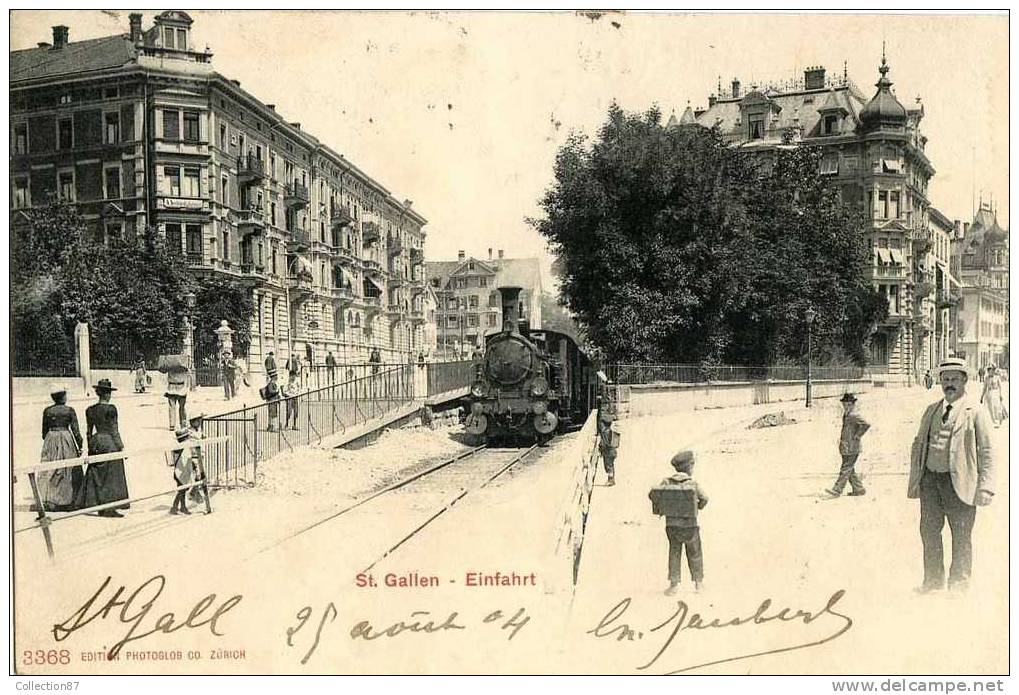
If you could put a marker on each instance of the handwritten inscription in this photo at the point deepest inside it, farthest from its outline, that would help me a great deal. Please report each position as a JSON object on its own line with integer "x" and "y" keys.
{"x": 419, "y": 622}
{"x": 134, "y": 610}
{"x": 683, "y": 619}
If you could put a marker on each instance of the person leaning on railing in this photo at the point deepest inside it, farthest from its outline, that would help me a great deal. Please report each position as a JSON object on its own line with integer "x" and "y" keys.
{"x": 271, "y": 394}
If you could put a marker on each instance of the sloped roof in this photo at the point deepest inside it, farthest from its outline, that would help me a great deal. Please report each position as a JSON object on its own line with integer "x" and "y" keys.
{"x": 796, "y": 109}
{"x": 77, "y": 57}
{"x": 441, "y": 270}
{"x": 509, "y": 272}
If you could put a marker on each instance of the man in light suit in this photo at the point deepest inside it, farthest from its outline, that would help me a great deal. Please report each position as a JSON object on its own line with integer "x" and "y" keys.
{"x": 952, "y": 473}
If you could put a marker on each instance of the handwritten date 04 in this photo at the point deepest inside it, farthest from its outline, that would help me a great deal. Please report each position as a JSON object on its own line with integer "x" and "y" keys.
{"x": 421, "y": 622}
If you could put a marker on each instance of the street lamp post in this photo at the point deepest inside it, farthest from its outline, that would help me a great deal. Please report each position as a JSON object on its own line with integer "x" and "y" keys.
{"x": 189, "y": 336}
{"x": 810, "y": 315}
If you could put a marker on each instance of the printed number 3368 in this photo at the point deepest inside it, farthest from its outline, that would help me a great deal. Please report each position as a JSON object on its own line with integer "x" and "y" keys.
{"x": 39, "y": 657}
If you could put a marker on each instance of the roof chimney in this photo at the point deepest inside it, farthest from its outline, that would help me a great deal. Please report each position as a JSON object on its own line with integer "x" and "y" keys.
{"x": 813, "y": 78}
{"x": 461, "y": 255}
{"x": 735, "y": 88}
{"x": 59, "y": 36}
{"x": 271, "y": 107}
{"x": 500, "y": 254}
{"x": 136, "y": 27}
{"x": 489, "y": 254}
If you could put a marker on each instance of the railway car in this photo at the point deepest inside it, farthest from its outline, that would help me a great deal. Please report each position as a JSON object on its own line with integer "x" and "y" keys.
{"x": 528, "y": 385}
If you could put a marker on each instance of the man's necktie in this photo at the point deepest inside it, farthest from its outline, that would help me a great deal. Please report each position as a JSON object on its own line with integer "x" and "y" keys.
{"x": 948, "y": 411}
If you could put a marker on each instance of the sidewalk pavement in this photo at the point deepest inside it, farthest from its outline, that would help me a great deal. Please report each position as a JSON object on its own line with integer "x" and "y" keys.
{"x": 767, "y": 532}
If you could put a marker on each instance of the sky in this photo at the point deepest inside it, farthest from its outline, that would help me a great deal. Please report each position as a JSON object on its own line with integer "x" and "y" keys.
{"x": 463, "y": 112}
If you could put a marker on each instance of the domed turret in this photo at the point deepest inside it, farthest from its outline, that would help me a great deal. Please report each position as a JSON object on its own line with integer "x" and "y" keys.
{"x": 884, "y": 110}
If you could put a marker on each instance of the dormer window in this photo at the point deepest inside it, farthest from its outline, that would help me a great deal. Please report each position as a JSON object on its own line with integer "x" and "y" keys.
{"x": 831, "y": 125}
{"x": 756, "y": 127}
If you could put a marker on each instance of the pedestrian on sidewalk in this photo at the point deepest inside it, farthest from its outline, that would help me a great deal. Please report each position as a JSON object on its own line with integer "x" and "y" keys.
{"x": 375, "y": 358}
{"x": 952, "y": 473}
{"x": 228, "y": 372}
{"x": 61, "y": 439}
{"x": 183, "y": 470}
{"x": 270, "y": 363}
{"x": 331, "y": 367}
{"x": 991, "y": 396}
{"x": 178, "y": 377}
{"x": 290, "y": 392}
{"x": 678, "y": 498}
{"x": 140, "y": 376}
{"x": 271, "y": 394}
{"x": 853, "y": 429}
{"x": 608, "y": 443}
{"x": 105, "y": 481}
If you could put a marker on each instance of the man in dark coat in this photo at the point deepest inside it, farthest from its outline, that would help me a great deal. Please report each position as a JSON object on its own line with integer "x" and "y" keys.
{"x": 270, "y": 362}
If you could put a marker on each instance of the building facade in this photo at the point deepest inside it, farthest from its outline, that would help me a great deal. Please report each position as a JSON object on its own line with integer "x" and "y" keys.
{"x": 983, "y": 306}
{"x": 139, "y": 130}
{"x": 469, "y": 306}
{"x": 875, "y": 150}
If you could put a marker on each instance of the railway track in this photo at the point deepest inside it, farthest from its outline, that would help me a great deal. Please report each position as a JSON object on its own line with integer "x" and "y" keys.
{"x": 420, "y": 499}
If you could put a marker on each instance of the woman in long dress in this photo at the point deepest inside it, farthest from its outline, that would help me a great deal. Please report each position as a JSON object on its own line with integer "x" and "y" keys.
{"x": 105, "y": 481}
{"x": 991, "y": 396}
{"x": 59, "y": 488}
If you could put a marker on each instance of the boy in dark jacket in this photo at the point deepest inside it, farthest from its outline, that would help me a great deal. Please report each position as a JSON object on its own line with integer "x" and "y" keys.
{"x": 681, "y": 525}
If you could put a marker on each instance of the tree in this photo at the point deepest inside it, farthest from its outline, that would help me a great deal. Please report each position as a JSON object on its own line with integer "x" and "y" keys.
{"x": 219, "y": 298}
{"x": 675, "y": 247}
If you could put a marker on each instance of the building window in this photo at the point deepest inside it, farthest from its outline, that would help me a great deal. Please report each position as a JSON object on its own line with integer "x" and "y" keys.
{"x": 474, "y": 301}
{"x": 222, "y": 137}
{"x": 272, "y": 213}
{"x": 182, "y": 40}
{"x": 111, "y": 127}
{"x": 113, "y": 230}
{"x": 111, "y": 179}
{"x": 274, "y": 259}
{"x": 482, "y": 282}
{"x": 756, "y": 127}
{"x": 19, "y": 139}
{"x": 168, "y": 37}
{"x": 65, "y": 134}
{"x": 191, "y": 126}
{"x": 831, "y": 125}
{"x": 20, "y": 197}
{"x": 893, "y": 205}
{"x": 226, "y": 245}
{"x": 171, "y": 124}
{"x": 172, "y": 178}
{"x": 173, "y": 239}
{"x": 491, "y": 320}
{"x": 192, "y": 183}
{"x": 194, "y": 239}
{"x": 65, "y": 186}
{"x": 830, "y": 163}
{"x": 224, "y": 194}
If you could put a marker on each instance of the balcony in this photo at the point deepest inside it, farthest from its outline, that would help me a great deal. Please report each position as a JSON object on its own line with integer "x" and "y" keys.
{"x": 417, "y": 286}
{"x": 195, "y": 259}
{"x": 417, "y": 316}
{"x": 396, "y": 280}
{"x": 395, "y": 246}
{"x": 301, "y": 284}
{"x": 889, "y": 272}
{"x": 250, "y": 170}
{"x": 250, "y": 220}
{"x": 344, "y": 255}
{"x": 295, "y": 196}
{"x": 339, "y": 216}
{"x": 923, "y": 289}
{"x": 395, "y": 309}
{"x": 370, "y": 232}
{"x": 343, "y": 294}
{"x": 417, "y": 256}
{"x": 299, "y": 241}
{"x": 372, "y": 267}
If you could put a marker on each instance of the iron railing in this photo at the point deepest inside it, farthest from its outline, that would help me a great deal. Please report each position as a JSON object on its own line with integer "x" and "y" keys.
{"x": 448, "y": 376}
{"x": 260, "y": 432}
{"x": 696, "y": 373}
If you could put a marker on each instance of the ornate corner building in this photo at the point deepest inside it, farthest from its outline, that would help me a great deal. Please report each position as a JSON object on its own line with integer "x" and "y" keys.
{"x": 138, "y": 129}
{"x": 875, "y": 150}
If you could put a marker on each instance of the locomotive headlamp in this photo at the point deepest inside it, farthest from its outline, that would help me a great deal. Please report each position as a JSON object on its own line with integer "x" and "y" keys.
{"x": 539, "y": 407}
{"x": 539, "y": 387}
{"x": 479, "y": 389}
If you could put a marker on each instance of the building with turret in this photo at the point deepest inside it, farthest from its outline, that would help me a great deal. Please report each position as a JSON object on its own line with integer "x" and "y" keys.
{"x": 874, "y": 148}
{"x": 983, "y": 306}
{"x": 138, "y": 129}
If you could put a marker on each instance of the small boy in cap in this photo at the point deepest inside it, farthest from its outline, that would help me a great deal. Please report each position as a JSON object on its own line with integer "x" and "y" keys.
{"x": 681, "y": 526}
{"x": 853, "y": 429}
{"x": 608, "y": 443}
{"x": 183, "y": 470}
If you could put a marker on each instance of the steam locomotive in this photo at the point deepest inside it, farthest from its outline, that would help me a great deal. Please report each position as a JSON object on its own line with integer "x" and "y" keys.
{"x": 529, "y": 384}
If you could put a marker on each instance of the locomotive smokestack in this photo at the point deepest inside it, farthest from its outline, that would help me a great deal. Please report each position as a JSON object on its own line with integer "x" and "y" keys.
{"x": 510, "y": 308}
